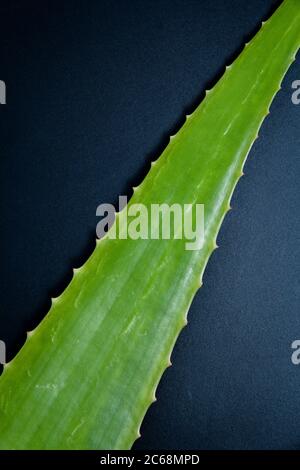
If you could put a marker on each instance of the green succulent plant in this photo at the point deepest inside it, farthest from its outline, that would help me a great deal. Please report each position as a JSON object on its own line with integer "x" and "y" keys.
{"x": 88, "y": 373}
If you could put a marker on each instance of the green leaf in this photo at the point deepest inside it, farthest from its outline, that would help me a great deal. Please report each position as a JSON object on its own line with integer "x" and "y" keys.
{"x": 88, "y": 373}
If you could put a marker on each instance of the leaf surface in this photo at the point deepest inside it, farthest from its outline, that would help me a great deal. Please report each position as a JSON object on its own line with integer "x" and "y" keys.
{"x": 88, "y": 373}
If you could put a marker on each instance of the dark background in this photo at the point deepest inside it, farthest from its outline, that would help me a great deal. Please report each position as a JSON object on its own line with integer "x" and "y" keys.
{"x": 94, "y": 89}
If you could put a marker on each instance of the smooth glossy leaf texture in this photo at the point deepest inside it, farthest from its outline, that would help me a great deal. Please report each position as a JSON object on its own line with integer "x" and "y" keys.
{"x": 88, "y": 373}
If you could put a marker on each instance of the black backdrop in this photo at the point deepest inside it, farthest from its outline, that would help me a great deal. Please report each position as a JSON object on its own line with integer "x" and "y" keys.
{"x": 94, "y": 89}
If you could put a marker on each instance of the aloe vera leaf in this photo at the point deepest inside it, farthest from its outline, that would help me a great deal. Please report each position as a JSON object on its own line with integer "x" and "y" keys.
{"x": 87, "y": 374}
